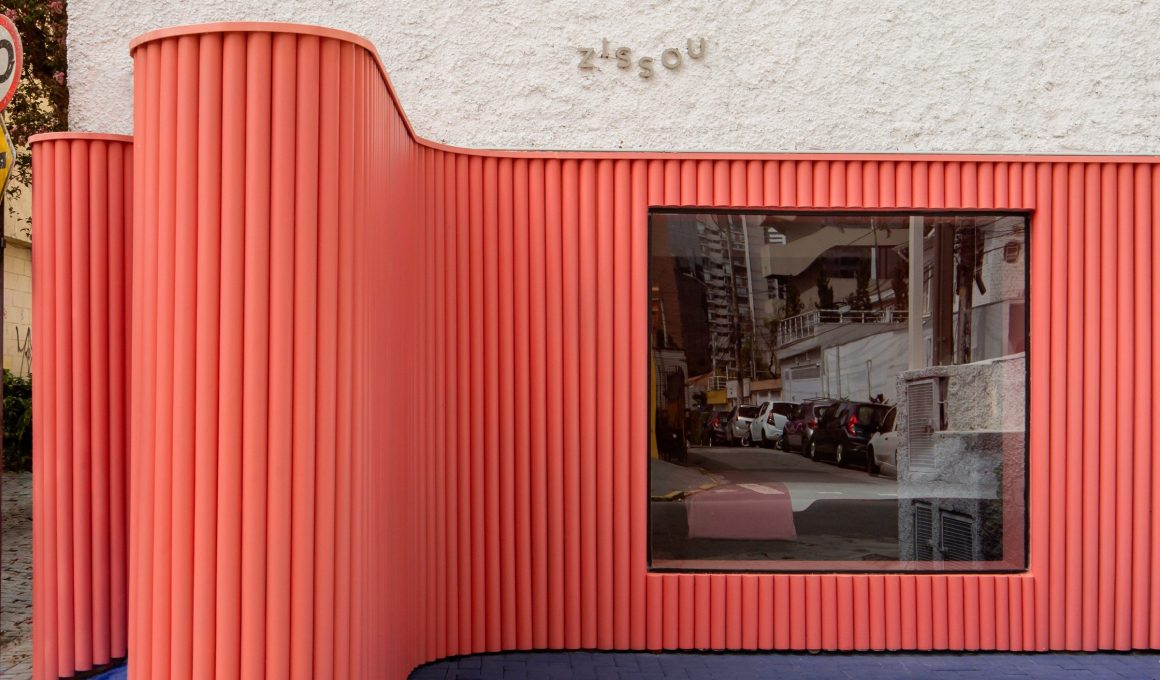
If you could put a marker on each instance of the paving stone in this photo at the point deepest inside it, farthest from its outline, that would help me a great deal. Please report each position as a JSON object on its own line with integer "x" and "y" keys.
{"x": 878, "y": 666}
{"x": 16, "y": 567}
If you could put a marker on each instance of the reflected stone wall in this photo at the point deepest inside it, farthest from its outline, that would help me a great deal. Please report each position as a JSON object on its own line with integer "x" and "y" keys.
{"x": 979, "y": 440}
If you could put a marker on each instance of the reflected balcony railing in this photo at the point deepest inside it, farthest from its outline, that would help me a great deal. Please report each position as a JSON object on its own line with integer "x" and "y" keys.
{"x": 807, "y": 324}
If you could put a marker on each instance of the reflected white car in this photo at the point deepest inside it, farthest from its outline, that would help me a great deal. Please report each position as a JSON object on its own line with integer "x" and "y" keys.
{"x": 738, "y": 429}
{"x": 882, "y": 451}
{"x": 769, "y": 425}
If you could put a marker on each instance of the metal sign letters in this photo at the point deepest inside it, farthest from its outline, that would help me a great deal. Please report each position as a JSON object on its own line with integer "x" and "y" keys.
{"x": 672, "y": 58}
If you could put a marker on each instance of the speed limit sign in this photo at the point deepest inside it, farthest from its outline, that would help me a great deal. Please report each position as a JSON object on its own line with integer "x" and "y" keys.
{"x": 11, "y": 60}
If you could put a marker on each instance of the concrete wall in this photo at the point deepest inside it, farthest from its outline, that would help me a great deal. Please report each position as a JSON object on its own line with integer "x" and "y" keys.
{"x": 780, "y": 75}
{"x": 980, "y": 467}
{"x": 18, "y": 308}
{"x": 18, "y": 279}
{"x": 868, "y": 366}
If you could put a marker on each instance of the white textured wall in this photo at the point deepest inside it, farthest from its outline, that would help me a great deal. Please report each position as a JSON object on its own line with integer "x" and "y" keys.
{"x": 780, "y": 75}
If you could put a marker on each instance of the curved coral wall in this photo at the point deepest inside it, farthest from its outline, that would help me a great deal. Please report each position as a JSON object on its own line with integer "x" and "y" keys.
{"x": 389, "y": 403}
{"x": 80, "y": 526}
{"x": 278, "y": 487}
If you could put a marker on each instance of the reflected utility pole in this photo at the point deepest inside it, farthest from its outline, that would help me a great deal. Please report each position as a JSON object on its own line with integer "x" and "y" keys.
{"x": 914, "y": 314}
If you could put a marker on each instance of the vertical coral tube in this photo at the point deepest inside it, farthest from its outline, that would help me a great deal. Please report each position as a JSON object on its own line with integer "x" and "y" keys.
{"x": 306, "y": 358}
{"x": 80, "y": 532}
{"x": 208, "y": 357}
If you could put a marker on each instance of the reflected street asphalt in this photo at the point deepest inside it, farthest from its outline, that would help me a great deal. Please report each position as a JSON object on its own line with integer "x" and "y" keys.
{"x": 808, "y": 481}
{"x": 838, "y": 513}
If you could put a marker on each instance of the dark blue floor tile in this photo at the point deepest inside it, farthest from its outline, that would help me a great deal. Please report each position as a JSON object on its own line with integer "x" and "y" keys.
{"x": 758, "y": 666}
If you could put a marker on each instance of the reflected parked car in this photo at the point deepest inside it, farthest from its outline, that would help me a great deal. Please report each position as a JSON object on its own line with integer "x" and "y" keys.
{"x": 739, "y": 420}
{"x": 696, "y": 428}
{"x": 843, "y": 434}
{"x": 716, "y": 427}
{"x": 883, "y": 455}
{"x": 769, "y": 425}
{"x": 800, "y": 428}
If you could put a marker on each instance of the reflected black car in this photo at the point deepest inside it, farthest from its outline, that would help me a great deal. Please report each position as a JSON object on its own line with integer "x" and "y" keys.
{"x": 717, "y": 427}
{"x": 844, "y": 432}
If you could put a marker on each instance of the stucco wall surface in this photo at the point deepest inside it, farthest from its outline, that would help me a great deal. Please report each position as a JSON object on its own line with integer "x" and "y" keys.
{"x": 780, "y": 75}
{"x": 18, "y": 308}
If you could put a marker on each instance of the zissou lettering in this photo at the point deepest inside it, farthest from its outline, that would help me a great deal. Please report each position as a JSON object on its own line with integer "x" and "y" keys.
{"x": 671, "y": 58}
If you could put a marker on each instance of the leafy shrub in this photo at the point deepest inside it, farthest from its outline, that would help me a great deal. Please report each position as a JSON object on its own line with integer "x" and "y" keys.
{"x": 17, "y": 422}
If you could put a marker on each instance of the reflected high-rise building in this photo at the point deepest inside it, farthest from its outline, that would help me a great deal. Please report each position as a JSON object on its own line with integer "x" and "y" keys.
{"x": 725, "y": 273}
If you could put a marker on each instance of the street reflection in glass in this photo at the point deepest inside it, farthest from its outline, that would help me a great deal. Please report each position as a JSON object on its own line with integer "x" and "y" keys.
{"x": 839, "y": 392}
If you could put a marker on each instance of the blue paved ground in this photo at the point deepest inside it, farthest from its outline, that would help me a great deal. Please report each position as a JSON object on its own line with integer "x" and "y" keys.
{"x": 671, "y": 666}
{"x": 674, "y": 666}
{"x": 119, "y": 673}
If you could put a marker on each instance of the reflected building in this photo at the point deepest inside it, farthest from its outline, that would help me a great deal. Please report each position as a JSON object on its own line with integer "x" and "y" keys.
{"x": 702, "y": 292}
{"x": 962, "y": 417}
{"x": 840, "y": 330}
{"x": 725, "y": 274}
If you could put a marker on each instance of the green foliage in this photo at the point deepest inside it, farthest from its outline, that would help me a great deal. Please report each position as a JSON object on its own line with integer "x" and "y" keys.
{"x": 825, "y": 292}
{"x": 766, "y": 359}
{"x": 745, "y": 356}
{"x": 793, "y": 300}
{"x": 898, "y": 282}
{"x": 859, "y": 300}
{"x": 17, "y": 422}
{"x": 41, "y": 100}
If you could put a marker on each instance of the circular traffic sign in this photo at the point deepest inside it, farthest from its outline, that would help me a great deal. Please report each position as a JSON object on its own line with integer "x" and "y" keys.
{"x": 11, "y": 60}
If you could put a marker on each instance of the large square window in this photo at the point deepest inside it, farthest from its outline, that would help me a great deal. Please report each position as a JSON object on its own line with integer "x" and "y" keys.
{"x": 837, "y": 391}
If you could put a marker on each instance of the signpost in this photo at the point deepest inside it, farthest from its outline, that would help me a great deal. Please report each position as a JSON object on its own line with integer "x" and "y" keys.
{"x": 7, "y": 157}
{"x": 11, "y": 60}
{"x": 11, "y": 63}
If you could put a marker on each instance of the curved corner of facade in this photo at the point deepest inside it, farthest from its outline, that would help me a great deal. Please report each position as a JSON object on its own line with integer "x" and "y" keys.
{"x": 81, "y": 219}
{"x": 68, "y": 136}
{"x": 274, "y": 27}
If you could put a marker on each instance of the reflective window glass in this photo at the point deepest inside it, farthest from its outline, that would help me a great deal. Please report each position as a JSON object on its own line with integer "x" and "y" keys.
{"x": 848, "y": 396}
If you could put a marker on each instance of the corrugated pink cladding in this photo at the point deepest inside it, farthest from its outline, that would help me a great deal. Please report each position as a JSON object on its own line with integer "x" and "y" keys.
{"x": 397, "y": 359}
{"x": 81, "y": 284}
{"x": 567, "y": 200}
{"x": 570, "y": 200}
{"x": 280, "y": 530}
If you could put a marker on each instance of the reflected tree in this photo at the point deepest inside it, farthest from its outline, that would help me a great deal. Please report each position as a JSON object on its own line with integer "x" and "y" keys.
{"x": 859, "y": 300}
{"x": 766, "y": 343}
{"x": 825, "y": 294}
{"x": 793, "y": 300}
{"x": 899, "y": 285}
